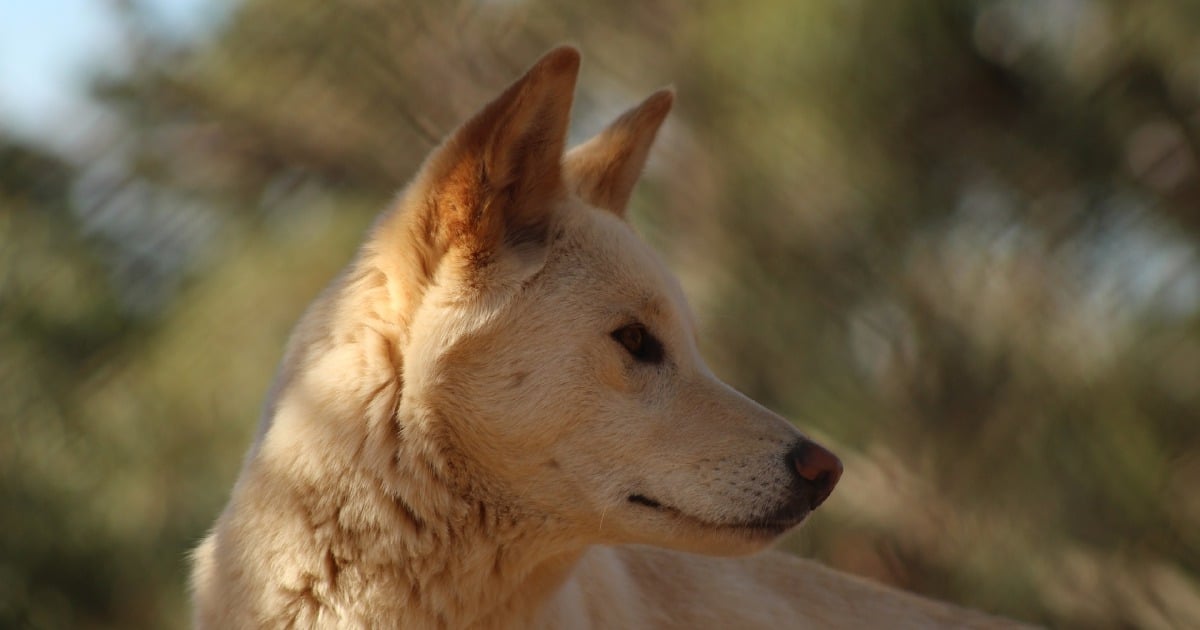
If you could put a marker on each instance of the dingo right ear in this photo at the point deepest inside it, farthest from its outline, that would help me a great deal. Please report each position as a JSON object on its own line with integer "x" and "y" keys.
{"x": 603, "y": 170}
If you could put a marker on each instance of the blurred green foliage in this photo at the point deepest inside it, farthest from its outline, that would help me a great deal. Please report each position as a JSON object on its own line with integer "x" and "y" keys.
{"x": 958, "y": 240}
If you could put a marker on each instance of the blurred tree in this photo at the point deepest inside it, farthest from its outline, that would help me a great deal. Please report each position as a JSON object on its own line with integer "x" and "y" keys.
{"x": 57, "y": 322}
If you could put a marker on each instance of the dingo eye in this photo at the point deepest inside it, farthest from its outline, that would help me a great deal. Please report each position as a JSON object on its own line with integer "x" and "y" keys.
{"x": 641, "y": 345}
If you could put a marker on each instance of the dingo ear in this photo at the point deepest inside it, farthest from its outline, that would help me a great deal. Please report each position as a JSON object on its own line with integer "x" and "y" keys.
{"x": 603, "y": 170}
{"x": 495, "y": 179}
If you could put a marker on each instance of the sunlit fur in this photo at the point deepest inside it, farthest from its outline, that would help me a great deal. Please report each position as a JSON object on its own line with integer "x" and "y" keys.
{"x": 454, "y": 435}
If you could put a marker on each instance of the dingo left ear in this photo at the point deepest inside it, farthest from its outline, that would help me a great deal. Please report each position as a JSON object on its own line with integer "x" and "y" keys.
{"x": 603, "y": 170}
{"x": 494, "y": 179}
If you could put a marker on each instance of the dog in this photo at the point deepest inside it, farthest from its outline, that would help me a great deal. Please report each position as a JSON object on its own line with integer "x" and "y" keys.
{"x": 497, "y": 417}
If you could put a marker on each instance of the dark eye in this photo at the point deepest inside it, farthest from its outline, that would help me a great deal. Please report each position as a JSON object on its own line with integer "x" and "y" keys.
{"x": 640, "y": 344}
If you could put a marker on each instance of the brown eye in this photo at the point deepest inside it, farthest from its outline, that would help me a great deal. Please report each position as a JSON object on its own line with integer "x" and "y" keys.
{"x": 632, "y": 337}
{"x": 640, "y": 344}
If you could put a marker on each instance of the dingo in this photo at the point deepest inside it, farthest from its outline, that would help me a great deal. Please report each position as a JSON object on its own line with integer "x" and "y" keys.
{"x": 497, "y": 417}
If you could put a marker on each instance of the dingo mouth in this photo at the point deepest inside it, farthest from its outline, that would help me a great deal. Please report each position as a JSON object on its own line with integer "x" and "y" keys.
{"x": 768, "y": 526}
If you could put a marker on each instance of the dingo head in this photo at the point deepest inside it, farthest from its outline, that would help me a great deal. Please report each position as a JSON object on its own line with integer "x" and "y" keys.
{"x": 551, "y": 349}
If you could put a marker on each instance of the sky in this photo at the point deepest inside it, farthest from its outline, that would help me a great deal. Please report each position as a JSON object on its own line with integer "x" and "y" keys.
{"x": 49, "y": 48}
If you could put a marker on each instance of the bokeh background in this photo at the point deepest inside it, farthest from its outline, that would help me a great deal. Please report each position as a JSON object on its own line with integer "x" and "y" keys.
{"x": 957, "y": 239}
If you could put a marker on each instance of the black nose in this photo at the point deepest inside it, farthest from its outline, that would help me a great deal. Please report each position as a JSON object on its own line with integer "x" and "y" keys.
{"x": 816, "y": 469}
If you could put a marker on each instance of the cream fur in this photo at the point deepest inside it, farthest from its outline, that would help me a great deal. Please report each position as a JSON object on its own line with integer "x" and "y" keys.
{"x": 456, "y": 440}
